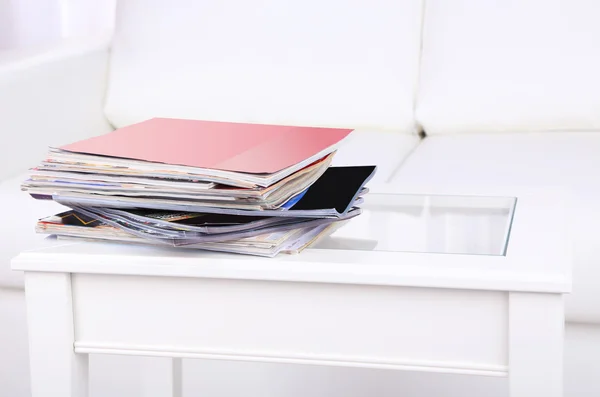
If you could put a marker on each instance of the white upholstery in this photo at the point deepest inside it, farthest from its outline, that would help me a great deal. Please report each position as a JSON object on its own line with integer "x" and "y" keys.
{"x": 320, "y": 63}
{"x": 528, "y": 65}
{"x": 527, "y": 159}
{"x": 50, "y": 98}
{"x": 387, "y": 150}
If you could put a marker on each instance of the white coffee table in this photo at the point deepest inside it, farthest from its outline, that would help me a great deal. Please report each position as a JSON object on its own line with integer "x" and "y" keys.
{"x": 456, "y": 284}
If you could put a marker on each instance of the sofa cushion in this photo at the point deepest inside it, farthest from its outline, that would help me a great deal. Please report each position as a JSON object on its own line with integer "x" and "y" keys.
{"x": 50, "y": 96}
{"x": 526, "y": 159}
{"x": 384, "y": 149}
{"x": 511, "y": 66}
{"x": 20, "y": 213}
{"x": 332, "y": 63}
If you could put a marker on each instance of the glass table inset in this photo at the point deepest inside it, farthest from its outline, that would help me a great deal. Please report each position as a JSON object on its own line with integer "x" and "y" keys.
{"x": 427, "y": 223}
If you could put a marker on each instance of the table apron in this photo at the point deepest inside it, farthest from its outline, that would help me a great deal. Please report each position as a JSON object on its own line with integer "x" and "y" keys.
{"x": 436, "y": 330}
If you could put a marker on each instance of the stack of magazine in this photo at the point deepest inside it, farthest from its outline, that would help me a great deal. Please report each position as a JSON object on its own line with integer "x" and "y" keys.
{"x": 232, "y": 187}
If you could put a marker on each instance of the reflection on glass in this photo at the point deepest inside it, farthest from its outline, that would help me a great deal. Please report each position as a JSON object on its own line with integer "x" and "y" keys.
{"x": 435, "y": 224}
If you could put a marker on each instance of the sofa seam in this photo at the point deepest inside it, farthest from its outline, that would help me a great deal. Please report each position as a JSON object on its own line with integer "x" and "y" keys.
{"x": 420, "y": 130}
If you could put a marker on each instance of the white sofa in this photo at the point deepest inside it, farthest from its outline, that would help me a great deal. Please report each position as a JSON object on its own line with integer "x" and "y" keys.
{"x": 440, "y": 92}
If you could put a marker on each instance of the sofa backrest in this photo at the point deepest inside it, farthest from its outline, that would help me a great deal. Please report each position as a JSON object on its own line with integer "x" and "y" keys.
{"x": 323, "y": 63}
{"x": 481, "y": 65}
{"x": 512, "y": 65}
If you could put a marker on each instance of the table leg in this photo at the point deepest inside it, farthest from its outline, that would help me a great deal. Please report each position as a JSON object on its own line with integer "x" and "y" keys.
{"x": 162, "y": 377}
{"x": 536, "y": 338}
{"x": 55, "y": 368}
{"x": 177, "y": 375}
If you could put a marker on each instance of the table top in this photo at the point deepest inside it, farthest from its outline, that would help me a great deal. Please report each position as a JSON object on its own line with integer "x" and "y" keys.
{"x": 502, "y": 239}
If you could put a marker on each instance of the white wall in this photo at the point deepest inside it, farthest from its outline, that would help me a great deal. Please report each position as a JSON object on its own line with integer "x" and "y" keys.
{"x": 32, "y": 23}
{"x": 7, "y": 34}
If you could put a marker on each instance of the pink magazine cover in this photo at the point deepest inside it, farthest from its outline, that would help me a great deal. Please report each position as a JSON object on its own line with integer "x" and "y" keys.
{"x": 238, "y": 147}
